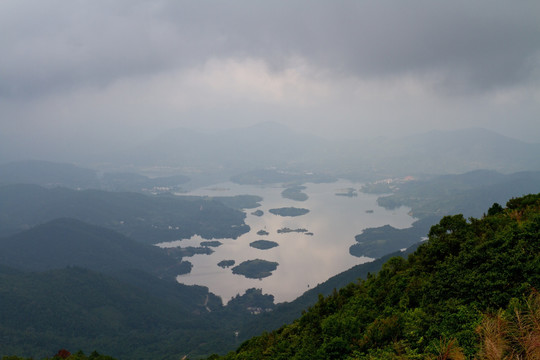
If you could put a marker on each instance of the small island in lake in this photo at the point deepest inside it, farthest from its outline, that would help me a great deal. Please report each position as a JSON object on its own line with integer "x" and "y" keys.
{"x": 289, "y": 211}
{"x": 239, "y": 201}
{"x": 212, "y": 243}
{"x": 309, "y": 233}
{"x": 226, "y": 263}
{"x": 255, "y": 269}
{"x": 263, "y": 244}
{"x": 190, "y": 251}
{"x": 262, "y": 232}
{"x": 295, "y": 193}
{"x": 257, "y": 213}
{"x": 349, "y": 192}
{"x": 286, "y": 230}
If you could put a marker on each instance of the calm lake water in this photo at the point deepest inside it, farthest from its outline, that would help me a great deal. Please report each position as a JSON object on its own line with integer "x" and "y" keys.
{"x": 304, "y": 260}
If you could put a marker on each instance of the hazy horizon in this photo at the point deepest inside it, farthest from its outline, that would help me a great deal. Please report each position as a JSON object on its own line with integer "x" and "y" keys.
{"x": 87, "y": 76}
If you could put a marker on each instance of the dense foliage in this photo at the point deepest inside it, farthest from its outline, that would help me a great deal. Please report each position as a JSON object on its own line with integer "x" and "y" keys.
{"x": 432, "y": 304}
{"x": 79, "y": 309}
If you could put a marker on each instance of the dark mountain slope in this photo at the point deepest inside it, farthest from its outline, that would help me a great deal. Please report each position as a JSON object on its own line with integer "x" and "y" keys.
{"x": 414, "y": 308}
{"x": 70, "y": 242}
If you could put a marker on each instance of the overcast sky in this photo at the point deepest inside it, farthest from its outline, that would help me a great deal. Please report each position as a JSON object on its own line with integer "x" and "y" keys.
{"x": 127, "y": 70}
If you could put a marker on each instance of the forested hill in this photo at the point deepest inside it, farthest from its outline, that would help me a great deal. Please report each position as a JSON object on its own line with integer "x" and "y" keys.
{"x": 442, "y": 302}
{"x": 69, "y": 242}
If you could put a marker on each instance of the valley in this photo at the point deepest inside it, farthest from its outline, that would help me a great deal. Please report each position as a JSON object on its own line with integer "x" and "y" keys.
{"x": 223, "y": 256}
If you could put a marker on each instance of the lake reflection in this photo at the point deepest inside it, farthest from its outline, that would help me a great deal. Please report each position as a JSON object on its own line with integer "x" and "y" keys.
{"x": 304, "y": 260}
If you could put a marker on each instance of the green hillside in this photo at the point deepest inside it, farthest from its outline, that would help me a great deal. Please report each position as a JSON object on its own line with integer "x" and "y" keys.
{"x": 434, "y": 304}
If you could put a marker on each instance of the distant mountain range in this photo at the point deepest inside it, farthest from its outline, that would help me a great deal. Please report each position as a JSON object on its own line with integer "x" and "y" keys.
{"x": 225, "y": 153}
{"x": 203, "y": 158}
{"x": 459, "y": 151}
{"x": 275, "y": 145}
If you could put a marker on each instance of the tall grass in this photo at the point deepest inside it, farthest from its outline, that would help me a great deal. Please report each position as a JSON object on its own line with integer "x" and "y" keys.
{"x": 514, "y": 335}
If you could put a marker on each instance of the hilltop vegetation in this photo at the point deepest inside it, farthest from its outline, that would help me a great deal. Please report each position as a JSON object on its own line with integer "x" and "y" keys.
{"x": 438, "y": 300}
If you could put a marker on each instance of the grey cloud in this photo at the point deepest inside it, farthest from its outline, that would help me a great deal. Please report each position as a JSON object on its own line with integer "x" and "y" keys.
{"x": 58, "y": 45}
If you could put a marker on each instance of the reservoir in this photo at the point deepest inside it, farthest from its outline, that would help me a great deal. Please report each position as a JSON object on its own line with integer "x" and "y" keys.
{"x": 305, "y": 260}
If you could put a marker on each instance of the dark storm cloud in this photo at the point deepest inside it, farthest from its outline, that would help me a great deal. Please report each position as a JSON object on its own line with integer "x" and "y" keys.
{"x": 57, "y": 45}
